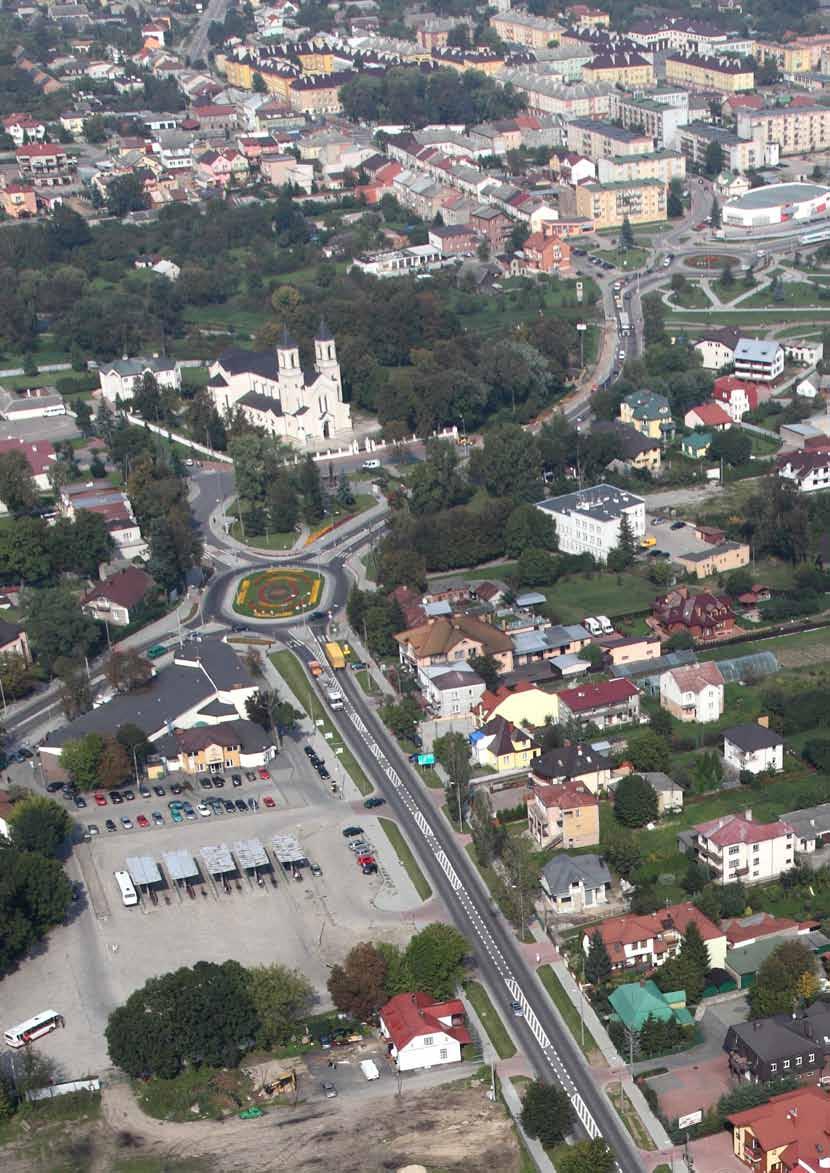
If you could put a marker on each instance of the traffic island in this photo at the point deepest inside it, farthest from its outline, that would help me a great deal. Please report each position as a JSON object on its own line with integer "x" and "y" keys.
{"x": 280, "y": 592}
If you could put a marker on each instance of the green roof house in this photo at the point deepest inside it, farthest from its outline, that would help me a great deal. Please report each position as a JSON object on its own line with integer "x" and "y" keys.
{"x": 696, "y": 445}
{"x": 635, "y": 1002}
{"x": 649, "y": 413}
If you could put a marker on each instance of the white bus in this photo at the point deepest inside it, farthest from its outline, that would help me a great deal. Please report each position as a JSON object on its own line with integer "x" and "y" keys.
{"x": 33, "y": 1028}
{"x": 125, "y": 886}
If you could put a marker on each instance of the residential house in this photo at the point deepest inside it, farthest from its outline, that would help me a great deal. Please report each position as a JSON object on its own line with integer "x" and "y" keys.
{"x": 119, "y": 380}
{"x": 116, "y": 598}
{"x": 573, "y": 762}
{"x": 115, "y": 508}
{"x": 222, "y": 168}
{"x": 542, "y": 252}
{"x": 717, "y": 348}
{"x": 14, "y": 641}
{"x": 23, "y": 128}
{"x": 40, "y": 456}
{"x": 18, "y": 200}
{"x": 704, "y": 616}
{"x": 649, "y": 413}
{"x": 492, "y": 223}
{"x": 808, "y": 470}
{"x": 450, "y": 690}
{"x": 548, "y": 643}
{"x": 724, "y": 75}
{"x": 565, "y": 814}
{"x": 210, "y": 749}
{"x": 608, "y": 205}
{"x": 811, "y": 826}
{"x": 648, "y": 940}
{"x": 696, "y": 445}
{"x": 669, "y": 793}
{"x": 759, "y": 361}
{"x": 735, "y": 847}
{"x": 633, "y": 450}
{"x": 47, "y": 164}
{"x": 806, "y": 352}
{"x": 453, "y": 239}
{"x": 626, "y": 69}
{"x": 754, "y": 748}
{"x": 575, "y": 883}
{"x": 635, "y": 1002}
{"x": 588, "y": 521}
{"x": 523, "y": 704}
{"x": 421, "y": 1032}
{"x": 771, "y": 1048}
{"x": 500, "y": 745}
{"x": 710, "y": 416}
{"x": 720, "y": 559}
{"x": 447, "y": 640}
{"x": 737, "y": 396}
{"x": 693, "y": 692}
{"x": 610, "y": 703}
{"x": 631, "y": 649}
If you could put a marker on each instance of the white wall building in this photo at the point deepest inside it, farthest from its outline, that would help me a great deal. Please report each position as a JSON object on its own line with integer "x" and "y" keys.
{"x": 588, "y": 521}
{"x": 735, "y": 848}
{"x": 423, "y": 1033}
{"x": 754, "y": 748}
{"x": 450, "y": 690}
{"x": 693, "y": 692}
{"x": 119, "y": 380}
{"x": 758, "y": 360}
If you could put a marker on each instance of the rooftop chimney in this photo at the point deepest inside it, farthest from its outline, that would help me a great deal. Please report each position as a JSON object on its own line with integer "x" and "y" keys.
{"x": 764, "y": 722}
{"x": 748, "y": 814}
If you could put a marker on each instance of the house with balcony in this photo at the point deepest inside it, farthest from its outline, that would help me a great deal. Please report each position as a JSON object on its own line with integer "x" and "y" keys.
{"x": 753, "y": 747}
{"x": 645, "y": 941}
{"x": 704, "y": 616}
{"x": 773, "y": 1048}
{"x": 693, "y": 692}
{"x": 609, "y": 703}
{"x": 649, "y": 413}
{"x": 450, "y": 690}
{"x": 735, "y": 847}
{"x": 563, "y": 815}
{"x": 573, "y": 762}
{"x": 758, "y": 360}
{"x": 115, "y": 599}
{"x": 454, "y": 638}
{"x": 47, "y": 164}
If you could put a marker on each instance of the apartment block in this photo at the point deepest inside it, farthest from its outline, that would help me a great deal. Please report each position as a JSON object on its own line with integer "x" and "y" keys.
{"x": 658, "y": 120}
{"x": 722, "y": 74}
{"x": 741, "y": 152}
{"x": 519, "y": 27}
{"x": 642, "y": 201}
{"x": 549, "y": 95}
{"x": 662, "y": 165}
{"x": 795, "y": 130}
{"x": 602, "y": 140}
{"x": 619, "y": 69}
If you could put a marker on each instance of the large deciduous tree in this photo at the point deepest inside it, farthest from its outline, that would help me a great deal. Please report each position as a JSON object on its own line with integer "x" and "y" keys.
{"x": 39, "y": 824}
{"x": 281, "y": 996}
{"x": 546, "y": 1112}
{"x": 358, "y": 986}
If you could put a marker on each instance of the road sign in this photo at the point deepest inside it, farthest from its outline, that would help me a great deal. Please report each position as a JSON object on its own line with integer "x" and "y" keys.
{"x": 579, "y": 291}
{"x": 690, "y": 1119}
{"x": 426, "y": 759}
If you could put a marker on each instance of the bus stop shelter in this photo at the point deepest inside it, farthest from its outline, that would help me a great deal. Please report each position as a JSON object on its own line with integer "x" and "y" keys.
{"x": 143, "y": 870}
{"x": 218, "y": 860}
{"x": 181, "y": 867}
{"x": 250, "y": 854}
{"x": 288, "y": 851}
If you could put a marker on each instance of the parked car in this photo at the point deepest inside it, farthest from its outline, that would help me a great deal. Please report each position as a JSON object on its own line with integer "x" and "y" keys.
{"x": 188, "y": 811}
{"x": 374, "y": 801}
{"x": 678, "y": 525}
{"x": 128, "y": 795}
{"x": 228, "y": 806}
{"x": 159, "y": 790}
{"x": 206, "y": 782}
{"x": 253, "y": 804}
{"x": 92, "y": 828}
{"x": 175, "y": 788}
{"x": 350, "y": 832}
{"x": 263, "y": 773}
{"x": 53, "y": 787}
{"x": 144, "y": 790}
{"x": 116, "y": 797}
{"x": 143, "y": 821}
{"x": 309, "y": 752}
{"x": 80, "y": 801}
{"x": 126, "y": 822}
{"x": 269, "y": 802}
{"x": 236, "y": 779}
{"x": 158, "y": 818}
{"x": 329, "y": 1090}
{"x": 250, "y": 775}
{"x": 369, "y": 869}
{"x": 110, "y": 825}
{"x": 316, "y": 870}
{"x": 100, "y": 799}
{"x": 241, "y": 805}
{"x": 204, "y": 810}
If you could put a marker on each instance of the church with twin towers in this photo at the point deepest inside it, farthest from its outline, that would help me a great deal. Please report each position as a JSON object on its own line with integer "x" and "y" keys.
{"x": 275, "y": 392}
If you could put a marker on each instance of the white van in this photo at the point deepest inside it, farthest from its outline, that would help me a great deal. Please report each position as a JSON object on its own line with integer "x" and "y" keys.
{"x": 606, "y": 624}
{"x": 369, "y": 1069}
{"x": 593, "y": 625}
{"x": 370, "y": 465}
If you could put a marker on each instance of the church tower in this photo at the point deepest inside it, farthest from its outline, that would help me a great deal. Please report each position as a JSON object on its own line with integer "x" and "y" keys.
{"x": 325, "y": 357}
{"x": 289, "y": 374}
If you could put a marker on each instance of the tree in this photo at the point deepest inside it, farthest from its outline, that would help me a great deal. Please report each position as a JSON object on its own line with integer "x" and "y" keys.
{"x": 311, "y": 490}
{"x": 39, "y": 824}
{"x": 125, "y": 193}
{"x": 536, "y": 568}
{"x": 715, "y": 213}
{"x": 521, "y": 880}
{"x": 81, "y": 757}
{"x": 435, "y": 960}
{"x": 127, "y": 671}
{"x": 509, "y": 464}
{"x": 489, "y": 835}
{"x": 115, "y": 764}
{"x": 777, "y": 988}
{"x": 739, "y": 582}
{"x": 528, "y": 528}
{"x": 345, "y": 496}
{"x": 586, "y": 1156}
{"x": 204, "y": 1014}
{"x": 18, "y": 491}
{"x": 488, "y": 668}
{"x": 626, "y": 235}
{"x": 280, "y": 996}
{"x": 622, "y": 852}
{"x": 648, "y": 752}
{"x": 597, "y": 963}
{"x": 83, "y": 417}
{"x": 734, "y": 446}
{"x": 267, "y": 708}
{"x": 713, "y": 159}
{"x": 622, "y": 556}
{"x": 727, "y": 276}
{"x": 56, "y": 625}
{"x": 635, "y": 802}
{"x": 358, "y": 986}
{"x": 135, "y": 741}
{"x": 402, "y": 718}
{"x": 34, "y": 895}
{"x": 547, "y": 1114}
{"x": 17, "y": 675}
{"x": 661, "y": 723}
{"x": 452, "y": 750}
{"x": 654, "y": 318}
{"x": 258, "y": 84}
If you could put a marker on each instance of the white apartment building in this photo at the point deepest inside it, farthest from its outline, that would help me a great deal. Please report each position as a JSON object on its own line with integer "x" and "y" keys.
{"x": 693, "y": 692}
{"x": 659, "y": 120}
{"x": 796, "y": 130}
{"x": 588, "y": 521}
{"x": 734, "y": 848}
{"x": 758, "y": 361}
{"x": 662, "y": 165}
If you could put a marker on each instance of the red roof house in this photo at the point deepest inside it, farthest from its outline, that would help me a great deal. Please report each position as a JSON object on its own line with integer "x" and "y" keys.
{"x": 704, "y": 616}
{"x": 421, "y": 1032}
{"x": 611, "y": 702}
{"x": 790, "y": 1132}
{"x": 117, "y": 597}
{"x": 708, "y": 415}
{"x": 736, "y": 396}
{"x": 647, "y": 941}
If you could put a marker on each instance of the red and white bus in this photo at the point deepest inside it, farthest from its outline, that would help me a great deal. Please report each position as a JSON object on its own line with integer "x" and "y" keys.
{"x": 33, "y": 1028}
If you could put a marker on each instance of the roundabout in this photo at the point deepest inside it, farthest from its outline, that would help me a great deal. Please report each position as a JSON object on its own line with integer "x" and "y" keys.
{"x": 709, "y": 260}
{"x": 279, "y": 592}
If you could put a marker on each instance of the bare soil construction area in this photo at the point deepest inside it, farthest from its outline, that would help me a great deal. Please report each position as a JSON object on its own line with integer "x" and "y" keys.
{"x": 450, "y": 1128}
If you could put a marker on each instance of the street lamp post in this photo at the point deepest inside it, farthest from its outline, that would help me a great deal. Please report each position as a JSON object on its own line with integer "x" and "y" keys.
{"x": 581, "y": 328}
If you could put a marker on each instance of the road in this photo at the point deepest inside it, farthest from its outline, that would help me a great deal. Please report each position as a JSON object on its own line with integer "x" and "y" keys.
{"x": 196, "y": 46}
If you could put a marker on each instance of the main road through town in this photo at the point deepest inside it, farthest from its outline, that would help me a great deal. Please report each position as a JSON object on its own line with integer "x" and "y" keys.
{"x": 548, "y": 1042}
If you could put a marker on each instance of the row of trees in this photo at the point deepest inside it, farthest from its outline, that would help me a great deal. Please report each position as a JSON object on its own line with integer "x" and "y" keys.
{"x": 412, "y": 97}
{"x": 273, "y": 495}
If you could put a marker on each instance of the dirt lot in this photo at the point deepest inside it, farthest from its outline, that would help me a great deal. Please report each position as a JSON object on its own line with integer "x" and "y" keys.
{"x": 450, "y": 1128}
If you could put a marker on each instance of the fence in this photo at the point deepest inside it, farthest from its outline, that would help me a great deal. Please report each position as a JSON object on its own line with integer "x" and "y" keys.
{"x": 63, "y": 1089}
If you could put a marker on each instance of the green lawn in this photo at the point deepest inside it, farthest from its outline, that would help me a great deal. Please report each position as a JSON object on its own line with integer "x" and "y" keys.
{"x": 757, "y": 318}
{"x": 576, "y": 596}
{"x": 628, "y": 1114}
{"x": 406, "y": 858}
{"x": 292, "y": 672}
{"x": 634, "y": 258}
{"x": 691, "y": 298}
{"x": 569, "y": 1012}
{"x": 796, "y": 293}
{"x": 263, "y": 541}
{"x": 229, "y": 316}
{"x": 490, "y": 1020}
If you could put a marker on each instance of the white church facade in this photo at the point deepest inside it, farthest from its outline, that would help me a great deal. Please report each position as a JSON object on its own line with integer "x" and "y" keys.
{"x": 277, "y": 394}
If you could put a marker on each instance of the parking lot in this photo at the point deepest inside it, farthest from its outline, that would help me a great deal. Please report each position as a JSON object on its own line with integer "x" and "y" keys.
{"x": 93, "y": 963}
{"x": 673, "y": 541}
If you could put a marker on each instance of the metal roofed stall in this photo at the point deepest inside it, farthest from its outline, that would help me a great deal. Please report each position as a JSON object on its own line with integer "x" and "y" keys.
{"x": 288, "y": 851}
{"x": 250, "y": 854}
{"x": 144, "y": 870}
{"x": 181, "y": 866}
{"x": 218, "y": 859}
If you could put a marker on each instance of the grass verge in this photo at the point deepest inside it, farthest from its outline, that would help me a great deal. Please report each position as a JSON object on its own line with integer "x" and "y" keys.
{"x": 628, "y": 1114}
{"x": 496, "y": 1030}
{"x": 406, "y": 858}
{"x": 211, "y": 1092}
{"x": 290, "y": 669}
{"x": 569, "y": 1012}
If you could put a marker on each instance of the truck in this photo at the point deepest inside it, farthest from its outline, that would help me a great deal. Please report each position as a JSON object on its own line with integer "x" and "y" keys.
{"x": 334, "y": 698}
{"x": 369, "y": 1069}
{"x": 625, "y": 325}
{"x": 335, "y": 656}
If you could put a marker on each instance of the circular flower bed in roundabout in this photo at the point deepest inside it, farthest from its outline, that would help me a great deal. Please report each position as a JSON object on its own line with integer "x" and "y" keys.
{"x": 278, "y": 592}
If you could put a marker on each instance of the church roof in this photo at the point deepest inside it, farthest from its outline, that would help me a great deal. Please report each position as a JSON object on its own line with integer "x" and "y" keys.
{"x": 324, "y": 334}
{"x": 237, "y": 361}
{"x": 261, "y": 402}
{"x": 287, "y": 340}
